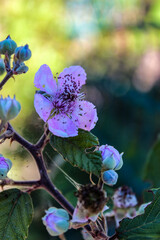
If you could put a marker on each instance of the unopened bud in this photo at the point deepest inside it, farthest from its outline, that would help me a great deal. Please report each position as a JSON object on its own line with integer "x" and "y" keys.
{"x": 2, "y": 66}
{"x": 110, "y": 177}
{"x": 5, "y": 166}
{"x": 111, "y": 158}
{"x": 56, "y": 221}
{"x": 22, "y": 68}
{"x": 23, "y": 53}
{"x": 7, "y": 46}
{"x": 9, "y": 108}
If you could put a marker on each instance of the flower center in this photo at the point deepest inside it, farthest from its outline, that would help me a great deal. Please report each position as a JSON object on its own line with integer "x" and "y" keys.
{"x": 63, "y": 103}
{"x": 68, "y": 91}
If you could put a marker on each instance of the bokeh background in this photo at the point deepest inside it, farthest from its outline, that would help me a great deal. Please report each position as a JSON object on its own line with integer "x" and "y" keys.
{"x": 117, "y": 42}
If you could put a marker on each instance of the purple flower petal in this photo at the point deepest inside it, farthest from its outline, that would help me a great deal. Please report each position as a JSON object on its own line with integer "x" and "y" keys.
{"x": 107, "y": 151}
{"x": 43, "y": 106}
{"x": 85, "y": 115}
{"x": 61, "y": 125}
{"x": 77, "y": 73}
{"x": 44, "y": 80}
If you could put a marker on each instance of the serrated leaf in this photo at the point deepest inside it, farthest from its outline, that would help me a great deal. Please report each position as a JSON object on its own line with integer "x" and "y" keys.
{"x": 74, "y": 150}
{"x": 152, "y": 167}
{"x": 145, "y": 226}
{"x": 16, "y": 213}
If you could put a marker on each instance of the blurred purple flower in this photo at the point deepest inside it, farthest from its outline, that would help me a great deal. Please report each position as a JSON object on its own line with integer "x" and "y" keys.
{"x": 61, "y": 104}
{"x": 124, "y": 197}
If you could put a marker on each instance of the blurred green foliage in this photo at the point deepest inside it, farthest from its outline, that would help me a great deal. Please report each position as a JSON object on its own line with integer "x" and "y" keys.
{"x": 118, "y": 44}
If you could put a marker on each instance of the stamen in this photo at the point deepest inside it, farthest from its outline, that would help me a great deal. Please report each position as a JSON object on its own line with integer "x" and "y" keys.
{"x": 81, "y": 96}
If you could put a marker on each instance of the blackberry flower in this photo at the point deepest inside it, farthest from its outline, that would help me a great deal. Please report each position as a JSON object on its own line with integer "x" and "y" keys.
{"x": 61, "y": 104}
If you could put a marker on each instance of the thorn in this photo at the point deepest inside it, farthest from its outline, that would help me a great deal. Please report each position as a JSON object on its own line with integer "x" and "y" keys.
{"x": 11, "y": 141}
{"x": 13, "y": 77}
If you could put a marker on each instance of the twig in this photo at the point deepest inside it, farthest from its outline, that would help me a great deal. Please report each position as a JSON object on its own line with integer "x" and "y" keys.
{"x": 43, "y": 140}
{"x": 11, "y": 182}
{"x": 44, "y": 180}
{"x": 6, "y": 78}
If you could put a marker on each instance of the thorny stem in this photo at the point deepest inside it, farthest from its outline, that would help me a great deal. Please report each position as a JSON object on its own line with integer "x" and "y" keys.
{"x": 43, "y": 140}
{"x": 11, "y": 182}
{"x": 6, "y": 78}
{"x": 45, "y": 182}
{"x": 36, "y": 151}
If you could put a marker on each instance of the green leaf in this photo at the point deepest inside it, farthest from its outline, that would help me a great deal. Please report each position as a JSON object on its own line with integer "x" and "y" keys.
{"x": 145, "y": 226}
{"x": 152, "y": 167}
{"x": 16, "y": 213}
{"x": 77, "y": 151}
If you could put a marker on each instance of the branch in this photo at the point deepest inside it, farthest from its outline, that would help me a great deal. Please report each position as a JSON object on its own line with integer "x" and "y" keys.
{"x": 6, "y": 78}
{"x": 11, "y": 182}
{"x": 30, "y": 185}
{"x": 43, "y": 139}
{"x": 44, "y": 180}
{"x": 50, "y": 188}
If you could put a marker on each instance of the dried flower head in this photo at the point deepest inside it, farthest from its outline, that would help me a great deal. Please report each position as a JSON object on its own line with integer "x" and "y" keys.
{"x": 91, "y": 201}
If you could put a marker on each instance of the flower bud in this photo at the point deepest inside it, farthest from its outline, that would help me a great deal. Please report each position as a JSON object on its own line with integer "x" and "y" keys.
{"x": 9, "y": 108}
{"x": 124, "y": 197}
{"x": 22, "y": 68}
{"x": 110, "y": 177}
{"x": 7, "y": 46}
{"x": 111, "y": 159}
{"x": 5, "y": 166}
{"x": 2, "y": 66}
{"x": 56, "y": 221}
{"x": 23, "y": 53}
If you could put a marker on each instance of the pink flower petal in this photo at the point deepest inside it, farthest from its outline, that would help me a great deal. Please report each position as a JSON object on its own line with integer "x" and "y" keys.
{"x": 84, "y": 115}
{"x": 80, "y": 215}
{"x": 43, "y": 106}
{"x": 78, "y": 75}
{"x": 44, "y": 80}
{"x": 61, "y": 125}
